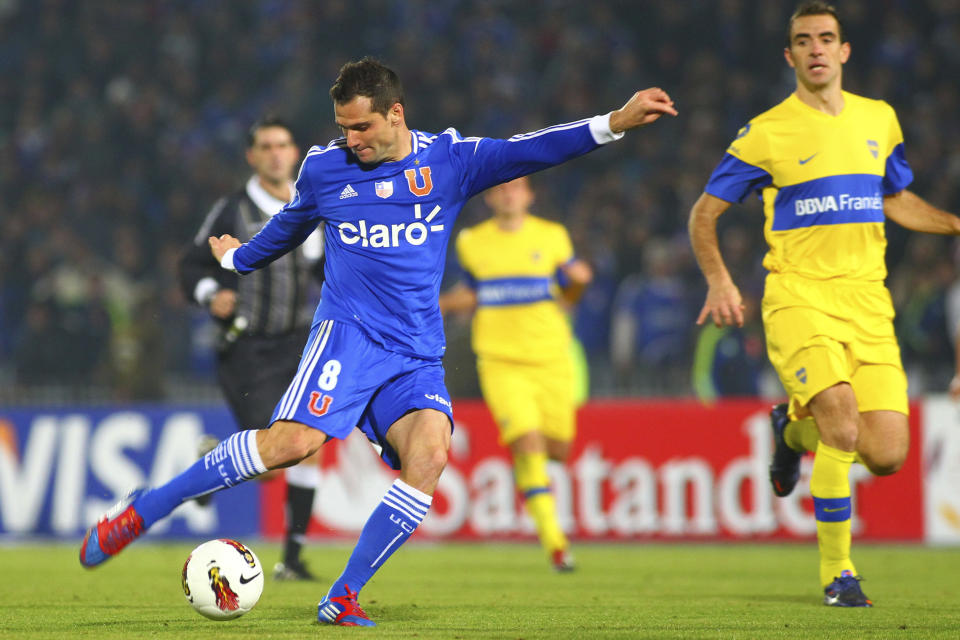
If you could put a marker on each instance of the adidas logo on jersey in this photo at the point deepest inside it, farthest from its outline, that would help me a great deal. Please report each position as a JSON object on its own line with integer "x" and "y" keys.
{"x": 348, "y": 192}
{"x": 382, "y": 235}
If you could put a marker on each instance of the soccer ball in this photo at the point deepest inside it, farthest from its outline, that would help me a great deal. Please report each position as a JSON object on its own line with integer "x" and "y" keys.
{"x": 222, "y": 579}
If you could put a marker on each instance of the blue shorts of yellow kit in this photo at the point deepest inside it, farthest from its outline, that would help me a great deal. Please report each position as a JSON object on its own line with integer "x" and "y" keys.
{"x": 820, "y": 333}
{"x": 525, "y": 397}
{"x": 347, "y": 380}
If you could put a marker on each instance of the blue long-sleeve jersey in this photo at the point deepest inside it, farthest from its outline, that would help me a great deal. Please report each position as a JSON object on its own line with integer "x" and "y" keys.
{"x": 388, "y": 225}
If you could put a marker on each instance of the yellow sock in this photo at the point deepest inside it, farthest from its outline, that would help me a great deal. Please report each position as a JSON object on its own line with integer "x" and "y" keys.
{"x": 534, "y": 482}
{"x": 802, "y": 435}
{"x": 830, "y": 486}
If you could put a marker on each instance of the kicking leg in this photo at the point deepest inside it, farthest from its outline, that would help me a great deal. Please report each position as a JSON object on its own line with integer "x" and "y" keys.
{"x": 241, "y": 457}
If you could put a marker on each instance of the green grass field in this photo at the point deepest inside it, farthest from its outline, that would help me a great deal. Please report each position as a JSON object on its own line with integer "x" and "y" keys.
{"x": 499, "y": 591}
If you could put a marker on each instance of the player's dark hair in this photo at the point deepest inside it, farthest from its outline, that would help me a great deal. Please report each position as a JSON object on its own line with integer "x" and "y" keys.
{"x": 815, "y": 8}
{"x": 267, "y": 122}
{"x": 369, "y": 78}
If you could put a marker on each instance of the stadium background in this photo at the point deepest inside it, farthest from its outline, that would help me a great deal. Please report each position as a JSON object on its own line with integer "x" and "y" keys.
{"x": 121, "y": 123}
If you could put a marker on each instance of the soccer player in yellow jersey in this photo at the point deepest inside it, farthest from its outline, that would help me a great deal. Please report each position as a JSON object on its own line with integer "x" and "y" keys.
{"x": 829, "y": 166}
{"x": 521, "y": 275}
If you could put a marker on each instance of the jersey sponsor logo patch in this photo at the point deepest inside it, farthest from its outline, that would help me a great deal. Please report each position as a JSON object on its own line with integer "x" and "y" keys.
{"x": 802, "y": 375}
{"x": 413, "y": 182}
{"x": 383, "y": 189}
{"x": 874, "y": 148}
{"x": 381, "y": 236}
{"x": 842, "y": 202}
{"x": 841, "y": 199}
{"x": 508, "y": 291}
{"x": 348, "y": 192}
{"x": 806, "y": 160}
{"x": 436, "y": 397}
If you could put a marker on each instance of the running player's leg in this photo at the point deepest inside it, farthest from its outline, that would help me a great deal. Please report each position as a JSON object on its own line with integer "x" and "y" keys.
{"x": 883, "y": 442}
{"x": 530, "y": 457}
{"x": 558, "y": 450}
{"x": 836, "y": 415}
{"x": 884, "y": 437}
{"x": 880, "y": 385}
{"x": 811, "y": 352}
{"x": 801, "y": 434}
{"x": 513, "y": 393}
{"x": 557, "y": 406}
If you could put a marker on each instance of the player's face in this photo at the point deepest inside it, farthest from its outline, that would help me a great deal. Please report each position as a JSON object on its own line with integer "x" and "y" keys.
{"x": 815, "y": 52}
{"x": 273, "y": 154}
{"x": 373, "y": 137}
{"x": 511, "y": 197}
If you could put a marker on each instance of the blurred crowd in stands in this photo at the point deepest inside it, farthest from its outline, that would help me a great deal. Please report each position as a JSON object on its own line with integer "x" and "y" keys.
{"x": 122, "y": 122}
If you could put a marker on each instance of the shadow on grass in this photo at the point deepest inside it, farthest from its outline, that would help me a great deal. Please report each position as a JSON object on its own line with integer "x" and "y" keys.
{"x": 803, "y": 598}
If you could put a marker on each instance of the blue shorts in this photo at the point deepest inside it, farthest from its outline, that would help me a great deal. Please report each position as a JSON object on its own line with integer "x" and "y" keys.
{"x": 346, "y": 380}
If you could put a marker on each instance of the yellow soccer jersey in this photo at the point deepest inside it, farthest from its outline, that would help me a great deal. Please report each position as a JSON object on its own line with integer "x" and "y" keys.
{"x": 822, "y": 180}
{"x": 514, "y": 274}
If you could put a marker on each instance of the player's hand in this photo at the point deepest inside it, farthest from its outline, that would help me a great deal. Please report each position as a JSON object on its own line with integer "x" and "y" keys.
{"x": 724, "y": 304}
{"x": 577, "y": 272}
{"x": 643, "y": 108}
{"x": 954, "y": 388}
{"x": 219, "y": 246}
{"x": 223, "y": 303}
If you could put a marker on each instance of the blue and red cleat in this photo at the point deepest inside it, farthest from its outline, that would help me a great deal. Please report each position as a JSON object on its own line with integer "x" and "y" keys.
{"x": 114, "y": 531}
{"x": 343, "y": 611}
{"x": 845, "y": 591}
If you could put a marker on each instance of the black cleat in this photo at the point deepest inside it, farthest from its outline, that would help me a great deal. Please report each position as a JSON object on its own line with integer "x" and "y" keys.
{"x": 785, "y": 466}
{"x": 845, "y": 592}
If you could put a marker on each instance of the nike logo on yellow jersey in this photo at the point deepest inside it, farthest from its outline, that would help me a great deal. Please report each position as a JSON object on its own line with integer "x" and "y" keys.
{"x": 806, "y": 160}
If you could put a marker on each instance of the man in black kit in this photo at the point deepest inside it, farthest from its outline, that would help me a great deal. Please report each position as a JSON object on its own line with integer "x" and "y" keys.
{"x": 264, "y": 318}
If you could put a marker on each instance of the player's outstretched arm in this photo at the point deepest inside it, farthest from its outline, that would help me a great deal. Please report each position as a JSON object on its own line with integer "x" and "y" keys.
{"x": 641, "y": 109}
{"x": 485, "y": 162}
{"x": 724, "y": 303}
{"x": 913, "y": 212}
{"x": 219, "y": 246}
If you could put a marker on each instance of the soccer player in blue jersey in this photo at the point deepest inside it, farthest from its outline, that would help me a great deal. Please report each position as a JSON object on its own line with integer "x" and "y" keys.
{"x": 389, "y": 196}
{"x": 829, "y": 167}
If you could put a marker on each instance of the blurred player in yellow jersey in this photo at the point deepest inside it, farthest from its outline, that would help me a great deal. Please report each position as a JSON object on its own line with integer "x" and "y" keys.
{"x": 829, "y": 167}
{"x": 521, "y": 276}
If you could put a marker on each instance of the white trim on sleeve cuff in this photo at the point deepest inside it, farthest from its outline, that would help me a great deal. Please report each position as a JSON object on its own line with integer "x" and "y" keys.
{"x": 600, "y": 129}
{"x": 227, "y": 260}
